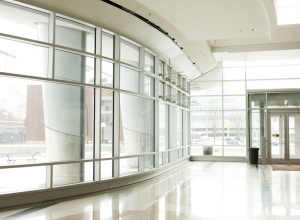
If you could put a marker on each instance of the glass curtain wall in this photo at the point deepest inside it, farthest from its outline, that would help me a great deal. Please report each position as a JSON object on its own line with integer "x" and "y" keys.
{"x": 70, "y": 110}
{"x": 218, "y": 114}
{"x": 218, "y": 110}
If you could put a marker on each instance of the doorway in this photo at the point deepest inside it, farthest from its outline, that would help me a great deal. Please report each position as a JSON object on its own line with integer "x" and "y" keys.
{"x": 284, "y": 137}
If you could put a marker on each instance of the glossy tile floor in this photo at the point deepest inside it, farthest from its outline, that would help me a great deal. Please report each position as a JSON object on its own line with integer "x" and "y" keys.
{"x": 200, "y": 190}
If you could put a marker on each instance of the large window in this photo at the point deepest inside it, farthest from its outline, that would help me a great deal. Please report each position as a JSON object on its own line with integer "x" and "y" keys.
{"x": 218, "y": 116}
{"x": 86, "y": 109}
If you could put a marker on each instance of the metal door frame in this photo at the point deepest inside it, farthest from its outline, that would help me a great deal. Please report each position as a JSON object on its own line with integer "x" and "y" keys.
{"x": 285, "y": 113}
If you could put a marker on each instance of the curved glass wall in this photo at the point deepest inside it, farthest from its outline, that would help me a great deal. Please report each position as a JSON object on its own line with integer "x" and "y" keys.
{"x": 70, "y": 112}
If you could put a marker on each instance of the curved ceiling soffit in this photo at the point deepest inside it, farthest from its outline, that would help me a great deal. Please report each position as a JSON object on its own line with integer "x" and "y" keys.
{"x": 141, "y": 12}
{"x": 271, "y": 11}
{"x": 93, "y": 11}
{"x": 192, "y": 49}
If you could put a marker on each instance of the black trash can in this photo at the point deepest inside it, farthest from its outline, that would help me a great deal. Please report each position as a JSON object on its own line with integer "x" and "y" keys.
{"x": 207, "y": 150}
{"x": 253, "y": 155}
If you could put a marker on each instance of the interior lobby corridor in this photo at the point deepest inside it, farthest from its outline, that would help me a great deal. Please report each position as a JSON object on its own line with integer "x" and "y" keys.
{"x": 197, "y": 190}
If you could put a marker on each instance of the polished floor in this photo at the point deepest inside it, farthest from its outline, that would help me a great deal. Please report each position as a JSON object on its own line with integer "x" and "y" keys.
{"x": 199, "y": 190}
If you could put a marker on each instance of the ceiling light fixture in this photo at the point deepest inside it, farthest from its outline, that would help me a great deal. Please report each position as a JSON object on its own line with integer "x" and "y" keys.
{"x": 254, "y": 29}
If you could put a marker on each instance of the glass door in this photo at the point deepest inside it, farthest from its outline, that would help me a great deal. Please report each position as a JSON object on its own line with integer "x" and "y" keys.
{"x": 284, "y": 137}
{"x": 277, "y": 146}
{"x": 294, "y": 137}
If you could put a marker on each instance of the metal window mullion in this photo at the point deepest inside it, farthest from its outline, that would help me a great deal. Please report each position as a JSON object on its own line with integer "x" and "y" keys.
{"x": 49, "y": 176}
{"x": 156, "y": 113}
{"x": 222, "y": 112}
{"x": 116, "y": 108}
{"x": 142, "y": 73}
{"x": 52, "y": 30}
{"x": 247, "y": 115}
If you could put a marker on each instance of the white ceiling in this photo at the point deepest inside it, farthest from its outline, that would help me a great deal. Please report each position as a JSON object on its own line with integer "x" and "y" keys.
{"x": 213, "y": 19}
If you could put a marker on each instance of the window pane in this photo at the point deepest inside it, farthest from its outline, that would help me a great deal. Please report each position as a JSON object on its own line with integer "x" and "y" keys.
{"x": 47, "y": 121}
{"x": 161, "y": 89}
{"x": 129, "y": 79}
{"x": 234, "y": 88}
{"x": 107, "y": 74}
{"x": 107, "y": 45}
{"x": 257, "y": 127}
{"x": 149, "y": 86}
{"x": 160, "y": 158}
{"x": 209, "y": 150}
{"x": 149, "y": 162}
{"x": 234, "y": 102}
{"x": 20, "y": 179}
{"x": 72, "y": 173}
{"x": 206, "y": 128}
{"x": 130, "y": 53}
{"x": 233, "y": 73}
{"x": 160, "y": 68}
{"x": 106, "y": 169}
{"x": 234, "y": 128}
{"x": 276, "y": 100}
{"x": 149, "y": 62}
{"x": 257, "y": 100}
{"x": 207, "y": 88}
{"x": 163, "y": 126}
{"x": 129, "y": 166}
{"x": 22, "y": 58}
{"x": 206, "y": 103}
{"x": 235, "y": 151}
{"x": 12, "y": 22}
{"x": 179, "y": 127}
{"x": 173, "y": 156}
{"x": 74, "y": 35}
{"x": 74, "y": 67}
{"x": 107, "y": 123}
{"x": 137, "y": 125}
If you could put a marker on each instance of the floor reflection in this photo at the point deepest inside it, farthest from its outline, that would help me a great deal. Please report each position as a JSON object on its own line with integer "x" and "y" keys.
{"x": 200, "y": 190}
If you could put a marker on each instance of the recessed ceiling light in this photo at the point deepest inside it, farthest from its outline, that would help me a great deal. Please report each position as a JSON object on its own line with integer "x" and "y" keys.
{"x": 241, "y": 30}
{"x": 254, "y": 29}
